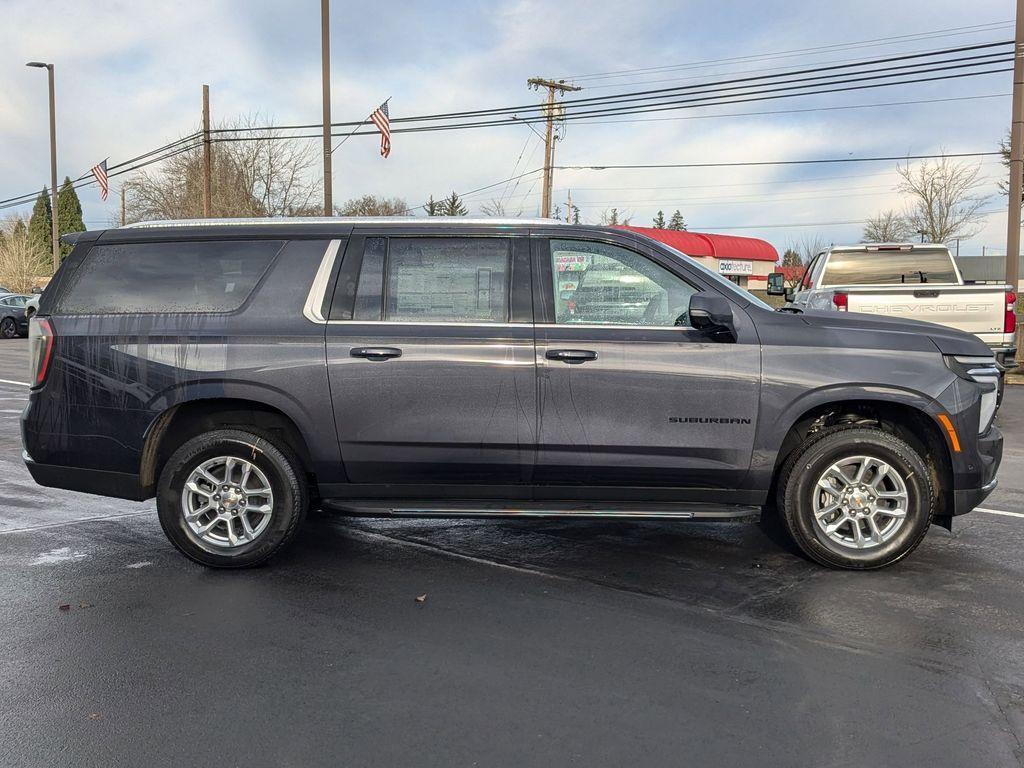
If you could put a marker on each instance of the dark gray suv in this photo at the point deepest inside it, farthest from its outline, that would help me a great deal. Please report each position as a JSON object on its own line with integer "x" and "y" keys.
{"x": 241, "y": 371}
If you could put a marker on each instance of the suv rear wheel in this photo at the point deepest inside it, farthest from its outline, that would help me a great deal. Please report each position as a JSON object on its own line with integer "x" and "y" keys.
{"x": 856, "y": 498}
{"x": 231, "y": 498}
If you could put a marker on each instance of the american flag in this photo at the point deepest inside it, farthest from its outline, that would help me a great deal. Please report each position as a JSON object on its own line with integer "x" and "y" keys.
{"x": 382, "y": 120}
{"x": 100, "y": 172}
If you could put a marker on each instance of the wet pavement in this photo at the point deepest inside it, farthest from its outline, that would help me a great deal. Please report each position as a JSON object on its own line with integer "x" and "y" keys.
{"x": 537, "y": 642}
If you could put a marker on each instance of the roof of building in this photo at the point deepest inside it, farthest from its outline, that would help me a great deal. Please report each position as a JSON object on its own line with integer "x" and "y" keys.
{"x": 990, "y": 269}
{"x": 709, "y": 245}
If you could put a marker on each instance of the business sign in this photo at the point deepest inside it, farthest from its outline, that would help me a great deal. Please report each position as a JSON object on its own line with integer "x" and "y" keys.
{"x": 735, "y": 267}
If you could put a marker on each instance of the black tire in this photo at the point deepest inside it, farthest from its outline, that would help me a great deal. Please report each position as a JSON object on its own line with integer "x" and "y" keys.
{"x": 274, "y": 459}
{"x": 798, "y": 485}
{"x": 9, "y": 328}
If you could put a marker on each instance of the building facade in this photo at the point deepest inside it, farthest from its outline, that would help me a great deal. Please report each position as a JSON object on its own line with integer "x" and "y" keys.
{"x": 747, "y": 261}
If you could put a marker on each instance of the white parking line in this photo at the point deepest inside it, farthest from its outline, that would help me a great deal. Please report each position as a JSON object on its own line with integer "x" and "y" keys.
{"x": 76, "y": 521}
{"x": 19, "y": 383}
{"x": 999, "y": 512}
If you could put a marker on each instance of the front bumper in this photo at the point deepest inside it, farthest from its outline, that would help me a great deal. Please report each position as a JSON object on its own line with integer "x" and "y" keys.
{"x": 981, "y": 465}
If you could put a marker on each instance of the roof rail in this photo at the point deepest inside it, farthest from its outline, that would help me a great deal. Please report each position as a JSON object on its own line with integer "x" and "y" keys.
{"x": 344, "y": 220}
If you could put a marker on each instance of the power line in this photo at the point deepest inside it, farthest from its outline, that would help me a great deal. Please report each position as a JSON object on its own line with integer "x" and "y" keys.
{"x": 698, "y": 88}
{"x": 747, "y": 164}
{"x": 870, "y": 43}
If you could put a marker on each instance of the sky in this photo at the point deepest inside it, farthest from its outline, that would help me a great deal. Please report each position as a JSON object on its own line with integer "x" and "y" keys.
{"x": 130, "y": 74}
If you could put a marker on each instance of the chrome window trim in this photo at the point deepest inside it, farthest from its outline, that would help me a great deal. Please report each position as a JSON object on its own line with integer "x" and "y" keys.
{"x": 445, "y": 323}
{"x": 313, "y": 308}
{"x": 617, "y": 326}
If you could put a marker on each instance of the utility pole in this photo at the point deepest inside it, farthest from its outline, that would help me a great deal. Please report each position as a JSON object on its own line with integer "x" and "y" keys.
{"x": 1016, "y": 155}
{"x": 207, "y": 160}
{"x": 325, "y": 79}
{"x": 54, "y": 232}
{"x": 549, "y": 139}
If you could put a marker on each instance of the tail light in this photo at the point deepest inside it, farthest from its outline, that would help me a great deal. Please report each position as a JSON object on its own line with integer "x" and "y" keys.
{"x": 842, "y": 301}
{"x": 1010, "y": 319}
{"x": 41, "y": 338}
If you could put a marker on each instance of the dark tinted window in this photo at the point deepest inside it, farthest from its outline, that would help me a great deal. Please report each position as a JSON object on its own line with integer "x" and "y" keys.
{"x": 168, "y": 277}
{"x": 889, "y": 267}
{"x": 371, "y": 276}
{"x": 454, "y": 279}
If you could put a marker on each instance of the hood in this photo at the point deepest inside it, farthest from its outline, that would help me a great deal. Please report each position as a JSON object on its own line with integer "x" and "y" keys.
{"x": 900, "y": 333}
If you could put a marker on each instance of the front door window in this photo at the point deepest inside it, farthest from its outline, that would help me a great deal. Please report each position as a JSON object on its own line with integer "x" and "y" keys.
{"x": 602, "y": 284}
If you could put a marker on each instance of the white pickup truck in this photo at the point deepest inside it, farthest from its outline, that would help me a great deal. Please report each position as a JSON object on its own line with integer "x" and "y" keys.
{"x": 906, "y": 280}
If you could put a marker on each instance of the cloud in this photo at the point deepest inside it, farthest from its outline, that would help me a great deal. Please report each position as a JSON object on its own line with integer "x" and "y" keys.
{"x": 129, "y": 77}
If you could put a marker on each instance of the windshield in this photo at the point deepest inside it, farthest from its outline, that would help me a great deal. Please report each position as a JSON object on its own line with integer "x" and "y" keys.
{"x": 889, "y": 267}
{"x": 730, "y": 286}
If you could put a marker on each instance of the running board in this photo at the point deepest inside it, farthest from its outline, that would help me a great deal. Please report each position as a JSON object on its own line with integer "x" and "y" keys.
{"x": 450, "y": 509}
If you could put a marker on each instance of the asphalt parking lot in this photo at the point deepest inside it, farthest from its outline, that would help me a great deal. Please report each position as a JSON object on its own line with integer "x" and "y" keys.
{"x": 537, "y": 643}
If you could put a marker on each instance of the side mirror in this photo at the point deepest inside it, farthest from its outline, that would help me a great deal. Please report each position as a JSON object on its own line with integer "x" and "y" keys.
{"x": 712, "y": 314}
{"x": 776, "y": 284}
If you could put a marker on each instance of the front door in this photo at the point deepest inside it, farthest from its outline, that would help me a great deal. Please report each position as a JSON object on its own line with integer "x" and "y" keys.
{"x": 430, "y": 357}
{"x": 629, "y": 393}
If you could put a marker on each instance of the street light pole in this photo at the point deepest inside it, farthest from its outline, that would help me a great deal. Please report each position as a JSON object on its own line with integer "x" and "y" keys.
{"x": 53, "y": 162}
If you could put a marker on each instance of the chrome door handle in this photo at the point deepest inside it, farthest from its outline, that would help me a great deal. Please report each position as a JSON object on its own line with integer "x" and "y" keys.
{"x": 571, "y": 355}
{"x": 375, "y": 353}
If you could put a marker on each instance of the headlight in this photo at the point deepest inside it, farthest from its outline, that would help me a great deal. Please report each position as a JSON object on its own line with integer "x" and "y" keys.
{"x": 987, "y": 375}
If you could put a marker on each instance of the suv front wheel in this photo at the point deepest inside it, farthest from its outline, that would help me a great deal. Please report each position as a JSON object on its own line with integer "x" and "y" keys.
{"x": 856, "y": 498}
{"x": 231, "y": 498}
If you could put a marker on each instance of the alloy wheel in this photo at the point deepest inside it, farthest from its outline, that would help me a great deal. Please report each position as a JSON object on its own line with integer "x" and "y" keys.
{"x": 860, "y": 502}
{"x": 227, "y": 501}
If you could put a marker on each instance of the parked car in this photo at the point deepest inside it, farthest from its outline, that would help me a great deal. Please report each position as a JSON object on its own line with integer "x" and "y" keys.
{"x": 32, "y": 305}
{"x": 241, "y": 371}
{"x": 907, "y": 280}
{"x": 13, "y": 322}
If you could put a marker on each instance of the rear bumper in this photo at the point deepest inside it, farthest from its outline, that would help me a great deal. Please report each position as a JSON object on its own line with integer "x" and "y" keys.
{"x": 119, "y": 485}
{"x": 1005, "y": 357}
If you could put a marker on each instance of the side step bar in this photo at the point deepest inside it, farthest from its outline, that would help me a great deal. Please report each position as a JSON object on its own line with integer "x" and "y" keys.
{"x": 453, "y": 509}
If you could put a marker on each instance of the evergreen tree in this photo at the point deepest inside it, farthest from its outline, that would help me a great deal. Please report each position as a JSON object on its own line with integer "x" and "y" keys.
{"x": 69, "y": 213}
{"x": 575, "y": 214}
{"x": 453, "y": 206}
{"x": 558, "y": 213}
{"x": 40, "y": 225}
{"x": 677, "y": 221}
{"x": 791, "y": 258}
{"x": 433, "y": 208}
{"x": 659, "y": 220}
{"x": 19, "y": 229}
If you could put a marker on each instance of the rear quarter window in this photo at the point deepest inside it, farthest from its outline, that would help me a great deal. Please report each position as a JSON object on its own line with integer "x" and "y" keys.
{"x": 183, "y": 276}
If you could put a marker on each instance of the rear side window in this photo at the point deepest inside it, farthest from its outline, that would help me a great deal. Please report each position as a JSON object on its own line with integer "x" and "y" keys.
{"x": 454, "y": 279}
{"x": 889, "y": 268}
{"x": 184, "y": 276}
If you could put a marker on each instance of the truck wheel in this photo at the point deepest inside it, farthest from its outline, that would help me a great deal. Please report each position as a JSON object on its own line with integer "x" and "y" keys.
{"x": 856, "y": 498}
{"x": 231, "y": 498}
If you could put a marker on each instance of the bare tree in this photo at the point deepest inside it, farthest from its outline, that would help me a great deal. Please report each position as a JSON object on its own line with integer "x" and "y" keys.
{"x": 887, "y": 227}
{"x": 498, "y": 209}
{"x": 23, "y": 263}
{"x": 613, "y": 217}
{"x": 807, "y": 247}
{"x": 371, "y": 205}
{"x": 263, "y": 173}
{"x": 944, "y": 204}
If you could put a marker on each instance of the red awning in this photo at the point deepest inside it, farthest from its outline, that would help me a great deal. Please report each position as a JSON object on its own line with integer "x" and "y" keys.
{"x": 716, "y": 246}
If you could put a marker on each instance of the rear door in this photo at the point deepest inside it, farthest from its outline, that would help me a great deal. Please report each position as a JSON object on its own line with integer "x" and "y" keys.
{"x": 430, "y": 354}
{"x": 629, "y": 393}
